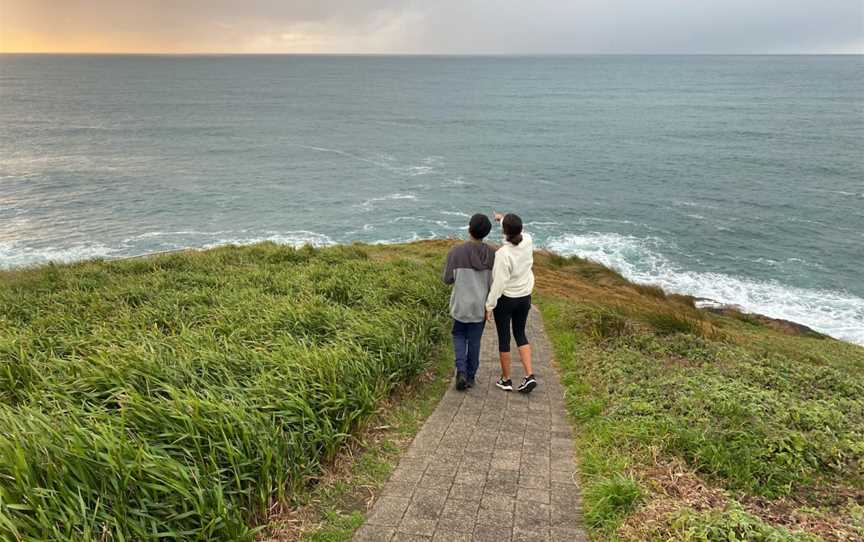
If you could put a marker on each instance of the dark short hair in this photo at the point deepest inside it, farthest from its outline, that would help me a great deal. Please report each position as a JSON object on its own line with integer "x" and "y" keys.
{"x": 479, "y": 226}
{"x": 512, "y": 226}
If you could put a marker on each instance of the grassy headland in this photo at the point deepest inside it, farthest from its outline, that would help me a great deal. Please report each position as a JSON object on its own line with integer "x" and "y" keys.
{"x": 704, "y": 427}
{"x": 181, "y": 396}
{"x": 178, "y": 397}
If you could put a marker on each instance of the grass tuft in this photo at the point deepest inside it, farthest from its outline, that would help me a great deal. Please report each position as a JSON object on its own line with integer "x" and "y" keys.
{"x": 609, "y": 325}
{"x": 609, "y": 499}
{"x": 670, "y": 322}
{"x": 650, "y": 290}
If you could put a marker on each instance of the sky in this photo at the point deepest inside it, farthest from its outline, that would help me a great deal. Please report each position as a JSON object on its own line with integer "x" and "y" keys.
{"x": 433, "y": 26}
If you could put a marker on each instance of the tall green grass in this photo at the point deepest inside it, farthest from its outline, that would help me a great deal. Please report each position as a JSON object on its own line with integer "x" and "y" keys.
{"x": 177, "y": 397}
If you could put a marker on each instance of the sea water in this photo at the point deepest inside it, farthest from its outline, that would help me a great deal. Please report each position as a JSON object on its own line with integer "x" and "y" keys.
{"x": 739, "y": 179}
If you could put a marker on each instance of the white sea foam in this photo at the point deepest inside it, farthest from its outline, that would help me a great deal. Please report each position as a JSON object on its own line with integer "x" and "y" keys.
{"x": 14, "y": 254}
{"x": 455, "y": 213}
{"x": 414, "y": 171}
{"x": 541, "y": 224}
{"x": 424, "y": 220}
{"x": 384, "y": 161}
{"x": 838, "y": 314}
{"x": 585, "y": 220}
{"x": 410, "y": 238}
{"x": 297, "y": 238}
{"x": 692, "y": 204}
{"x": 181, "y": 233}
{"x": 385, "y": 164}
{"x": 456, "y": 181}
{"x": 370, "y": 203}
{"x": 838, "y": 192}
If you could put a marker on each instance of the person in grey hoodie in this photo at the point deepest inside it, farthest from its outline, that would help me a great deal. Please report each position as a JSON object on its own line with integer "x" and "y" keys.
{"x": 469, "y": 270}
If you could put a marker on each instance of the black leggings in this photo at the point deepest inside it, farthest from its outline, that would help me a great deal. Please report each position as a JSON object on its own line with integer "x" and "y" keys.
{"x": 515, "y": 309}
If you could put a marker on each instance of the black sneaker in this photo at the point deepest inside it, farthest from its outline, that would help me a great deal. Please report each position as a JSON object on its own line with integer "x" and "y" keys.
{"x": 471, "y": 382}
{"x": 506, "y": 385}
{"x": 528, "y": 384}
{"x": 461, "y": 381}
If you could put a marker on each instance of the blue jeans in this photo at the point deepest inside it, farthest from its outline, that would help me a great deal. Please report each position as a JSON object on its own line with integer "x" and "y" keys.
{"x": 466, "y": 344}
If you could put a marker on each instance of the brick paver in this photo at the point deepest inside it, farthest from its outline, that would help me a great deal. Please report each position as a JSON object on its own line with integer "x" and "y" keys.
{"x": 487, "y": 465}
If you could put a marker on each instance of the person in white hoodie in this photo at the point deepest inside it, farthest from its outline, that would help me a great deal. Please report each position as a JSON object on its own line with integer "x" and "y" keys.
{"x": 509, "y": 298}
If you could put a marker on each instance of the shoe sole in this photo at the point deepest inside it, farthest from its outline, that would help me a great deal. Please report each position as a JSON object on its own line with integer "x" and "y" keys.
{"x": 529, "y": 387}
{"x": 505, "y": 388}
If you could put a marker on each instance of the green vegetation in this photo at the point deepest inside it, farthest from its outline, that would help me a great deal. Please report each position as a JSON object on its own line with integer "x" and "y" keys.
{"x": 695, "y": 426}
{"x": 611, "y": 498}
{"x": 195, "y": 396}
{"x": 336, "y": 506}
{"x": 731, "y": 525}
{"x": 180, "y": 396}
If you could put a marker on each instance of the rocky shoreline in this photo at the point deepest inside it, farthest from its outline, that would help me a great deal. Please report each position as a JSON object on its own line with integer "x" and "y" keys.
{"x": 786, "y": 326}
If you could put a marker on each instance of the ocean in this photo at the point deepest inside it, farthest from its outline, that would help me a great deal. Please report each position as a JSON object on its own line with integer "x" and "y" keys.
{"x": 734, "y": 178}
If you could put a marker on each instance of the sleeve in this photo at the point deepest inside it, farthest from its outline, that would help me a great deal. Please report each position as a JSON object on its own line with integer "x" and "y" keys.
{"x": 500, "y": 276}
{"x": 449, "y": 277}
{"x": 491, "y": 259}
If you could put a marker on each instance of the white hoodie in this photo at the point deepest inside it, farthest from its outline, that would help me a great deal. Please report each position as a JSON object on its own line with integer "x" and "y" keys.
{"x": 511, "y": 274}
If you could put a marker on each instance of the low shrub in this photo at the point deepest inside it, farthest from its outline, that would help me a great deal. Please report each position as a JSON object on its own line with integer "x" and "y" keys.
{"x": 732, "y": 524}
{"x": 670, "y": 322}
{"x": 609, "y": 499}
{"x": 650, "y": 290}
{"x": 609, "y": 325}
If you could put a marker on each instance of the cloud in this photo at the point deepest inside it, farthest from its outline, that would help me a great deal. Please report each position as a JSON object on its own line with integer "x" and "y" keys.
{"x": 640, "y": 26}
{"x": 206, "y": 26}
{"x": 441, "y": 26}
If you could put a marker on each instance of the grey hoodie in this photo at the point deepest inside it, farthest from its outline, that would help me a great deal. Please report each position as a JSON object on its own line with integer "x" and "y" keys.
{"x": 469, "y": 269}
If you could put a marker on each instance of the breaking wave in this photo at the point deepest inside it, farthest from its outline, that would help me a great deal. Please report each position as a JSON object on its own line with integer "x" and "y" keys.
{"x": 838, "y": 314}
{"x": 14, "y": 254}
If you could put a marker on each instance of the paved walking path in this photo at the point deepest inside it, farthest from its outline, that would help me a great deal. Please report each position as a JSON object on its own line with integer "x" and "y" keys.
{"x": 487, "y": 465}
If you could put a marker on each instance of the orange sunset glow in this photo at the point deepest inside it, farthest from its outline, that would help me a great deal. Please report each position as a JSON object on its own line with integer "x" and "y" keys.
{"x": 446, "y": 26}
